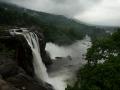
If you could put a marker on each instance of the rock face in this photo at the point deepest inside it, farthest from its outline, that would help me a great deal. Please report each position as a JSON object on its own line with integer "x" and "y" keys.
{"x": 16, "y": 67}
{"x": 24, "y": 55}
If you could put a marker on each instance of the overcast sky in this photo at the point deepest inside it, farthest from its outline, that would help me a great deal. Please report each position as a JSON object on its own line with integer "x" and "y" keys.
{"x": 98, "y": 12}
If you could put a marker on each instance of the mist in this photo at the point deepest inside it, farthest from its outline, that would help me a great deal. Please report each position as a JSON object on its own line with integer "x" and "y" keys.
{"x": 95, "y": 12}
{"x": 73, "y": 50}
{"x": 64, "y": 70}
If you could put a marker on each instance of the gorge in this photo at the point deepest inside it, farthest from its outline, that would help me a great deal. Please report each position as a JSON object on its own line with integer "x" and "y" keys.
{"x": 58, "y": 78}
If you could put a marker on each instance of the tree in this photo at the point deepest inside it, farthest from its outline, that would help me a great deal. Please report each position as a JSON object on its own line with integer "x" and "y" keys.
{"x": 101, "y": 76}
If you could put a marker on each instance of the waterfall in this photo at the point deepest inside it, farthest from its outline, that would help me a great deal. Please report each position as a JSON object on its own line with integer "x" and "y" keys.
{"x": 33, "y": 42}
{"x": 39, "y": 67}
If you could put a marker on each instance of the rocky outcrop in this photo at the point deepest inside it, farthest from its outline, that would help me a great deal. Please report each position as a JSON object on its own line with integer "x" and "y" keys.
{"x": 23, "y": 54}
{"x": 15, "y": 77}
{"x": 16, "y": 67}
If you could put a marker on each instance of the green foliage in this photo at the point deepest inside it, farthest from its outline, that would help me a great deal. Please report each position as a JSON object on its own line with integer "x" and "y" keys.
{"x": 11, "y": 17}
{"x": 104, "y": 48}
{"x": 101, "y": 76}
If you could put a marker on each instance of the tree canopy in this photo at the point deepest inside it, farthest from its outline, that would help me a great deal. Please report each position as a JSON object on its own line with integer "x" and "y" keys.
{"x": 105, "y": 75}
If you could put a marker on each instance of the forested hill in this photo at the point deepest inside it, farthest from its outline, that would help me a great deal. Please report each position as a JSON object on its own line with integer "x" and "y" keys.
{"x": 102, "y": 72}
{"x": 56, "y": 28}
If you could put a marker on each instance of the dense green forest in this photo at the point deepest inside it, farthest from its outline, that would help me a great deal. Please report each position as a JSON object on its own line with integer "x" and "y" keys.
{"x": 56, "y": 28}
{"x": 102, "y": 72}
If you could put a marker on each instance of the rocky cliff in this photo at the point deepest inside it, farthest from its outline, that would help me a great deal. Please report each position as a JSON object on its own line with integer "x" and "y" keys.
{"x": 16, "y": 68}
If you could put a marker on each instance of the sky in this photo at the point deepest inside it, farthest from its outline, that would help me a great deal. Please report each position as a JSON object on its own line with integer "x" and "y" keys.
{"x": 96, "y": 12}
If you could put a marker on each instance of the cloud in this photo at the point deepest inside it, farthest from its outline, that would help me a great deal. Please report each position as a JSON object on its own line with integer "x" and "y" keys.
{"x": 62, "y": 7}
{"x": 97, "y": 12}
{"x": 105, "y": 13}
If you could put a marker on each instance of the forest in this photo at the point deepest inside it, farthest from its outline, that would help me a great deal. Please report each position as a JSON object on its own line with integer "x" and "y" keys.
{"x": 102, "y": 71}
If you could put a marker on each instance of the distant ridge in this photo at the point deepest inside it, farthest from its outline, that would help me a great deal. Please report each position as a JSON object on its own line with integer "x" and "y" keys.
{"x": 57, "y": 28}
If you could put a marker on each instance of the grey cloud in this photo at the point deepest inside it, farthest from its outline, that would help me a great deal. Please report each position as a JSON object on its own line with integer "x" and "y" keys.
{"x": 59, "y": 1}
{"x": 63, "y": 7}
{"x": 105, "y": 13}
{"x": 100, "y": 12}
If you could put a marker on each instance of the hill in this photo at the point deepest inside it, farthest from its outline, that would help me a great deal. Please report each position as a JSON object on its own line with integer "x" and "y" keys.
{"x": 56, "y": 28}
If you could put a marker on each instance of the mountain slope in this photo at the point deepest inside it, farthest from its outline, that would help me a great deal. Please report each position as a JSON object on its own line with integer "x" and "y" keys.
{"x": 56, "y": 28}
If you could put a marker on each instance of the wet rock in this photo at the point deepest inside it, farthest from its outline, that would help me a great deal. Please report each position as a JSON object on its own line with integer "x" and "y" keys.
{"x": 25, "y": 82}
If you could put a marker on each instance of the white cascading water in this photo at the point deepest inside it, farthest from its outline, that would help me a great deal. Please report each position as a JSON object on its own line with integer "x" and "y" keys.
{"x": 39, "y": 67}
